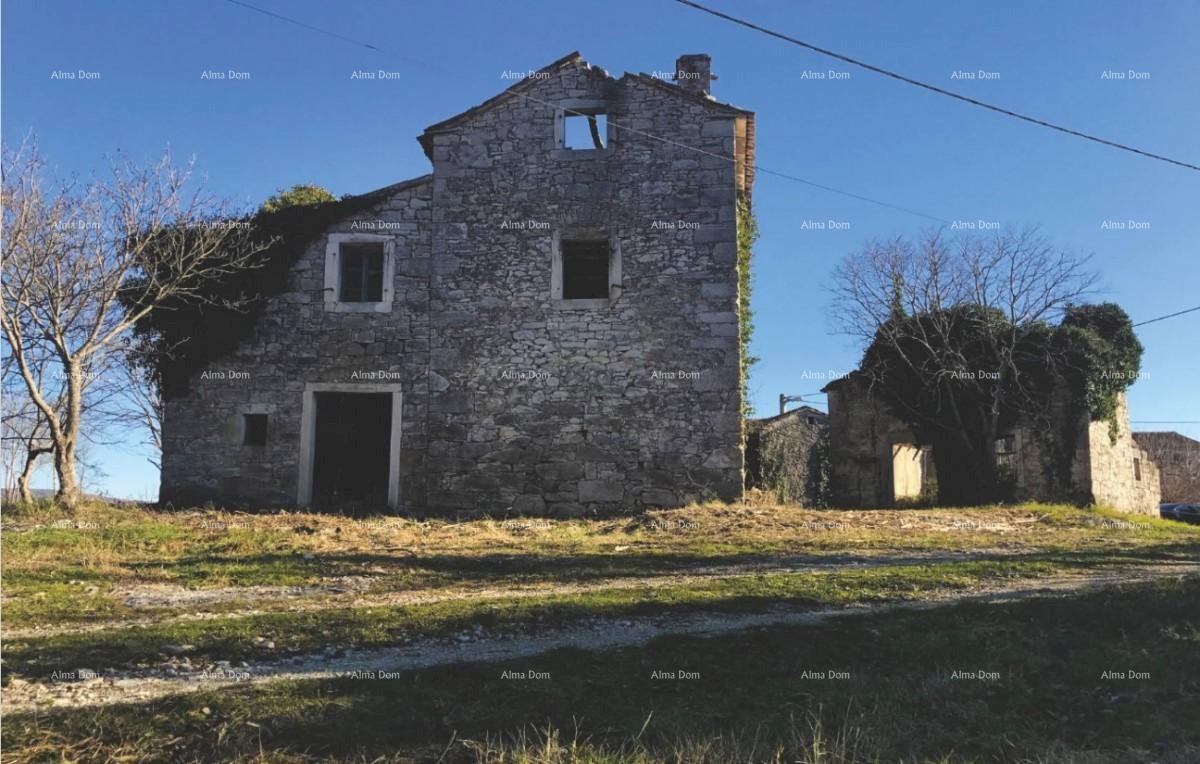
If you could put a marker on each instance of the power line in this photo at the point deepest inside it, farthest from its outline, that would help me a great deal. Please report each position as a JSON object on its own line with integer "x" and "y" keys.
{"x": 933, "y": 88}
{"x": 309, "y": 27}
{"x": 573, "y": 112}
{"x": 1169, "y": 315}
{"x": 1164, "y": 421}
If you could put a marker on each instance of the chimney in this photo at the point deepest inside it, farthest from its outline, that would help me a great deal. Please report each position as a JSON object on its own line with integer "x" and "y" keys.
{"x": 693, "y": 73}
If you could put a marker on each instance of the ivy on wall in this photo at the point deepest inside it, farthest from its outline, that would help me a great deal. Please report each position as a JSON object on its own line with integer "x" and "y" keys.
{"x": 747, "y": 234}
{"x": 179, "y": 339}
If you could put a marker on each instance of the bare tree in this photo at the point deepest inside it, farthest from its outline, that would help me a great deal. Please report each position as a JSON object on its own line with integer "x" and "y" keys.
{"x": 72, "y": 251}
{"x": 953, "y": 329}
{"x": 25, "y": 440}
{"x": 143, "y": 403}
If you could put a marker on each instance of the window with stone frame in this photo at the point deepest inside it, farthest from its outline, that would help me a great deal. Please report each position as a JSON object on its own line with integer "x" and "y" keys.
{"x": 361, "y": 276}
{"x": 585, "y": 269}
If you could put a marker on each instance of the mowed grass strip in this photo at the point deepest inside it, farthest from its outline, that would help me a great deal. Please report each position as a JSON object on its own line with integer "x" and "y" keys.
{"x": 243, "y": 638}
{"x": 874, "y": 688}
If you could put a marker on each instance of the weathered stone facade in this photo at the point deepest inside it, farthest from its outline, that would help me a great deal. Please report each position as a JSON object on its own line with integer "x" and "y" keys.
{"x": 1178, "y": 460}
{"x": 509, "y": 397}
{"x": 865, "y": 438}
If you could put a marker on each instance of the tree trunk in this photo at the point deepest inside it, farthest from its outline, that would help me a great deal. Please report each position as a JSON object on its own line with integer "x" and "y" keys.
{"x": 64, "y": 452}
{"x": 27, "y": 472}
{"x": 68, "y": 482}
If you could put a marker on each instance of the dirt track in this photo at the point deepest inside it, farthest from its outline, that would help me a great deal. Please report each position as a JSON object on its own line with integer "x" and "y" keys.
{"x": 592, "y": 634}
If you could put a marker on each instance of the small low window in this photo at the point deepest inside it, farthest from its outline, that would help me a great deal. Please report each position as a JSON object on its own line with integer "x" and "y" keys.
{"x": 361, "y": 276}
{"x": 585, "y": 131}
{"x": 585, "y": 269}
{"x": 1137, "y": 469}
{"x": 254, "y": 432}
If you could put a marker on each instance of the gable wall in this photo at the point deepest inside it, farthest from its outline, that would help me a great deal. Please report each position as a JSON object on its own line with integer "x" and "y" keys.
{"x": 555, "y": 409}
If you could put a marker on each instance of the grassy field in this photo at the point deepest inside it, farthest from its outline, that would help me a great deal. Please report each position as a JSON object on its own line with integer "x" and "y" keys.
{"x": 116, "y": 588}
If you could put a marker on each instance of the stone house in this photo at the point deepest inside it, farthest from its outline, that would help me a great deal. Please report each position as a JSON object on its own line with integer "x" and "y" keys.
{"x": 1178, "y": 460}
{"x": 782, "y": 455}
{"x": 546, "y": 323}
{"x": 876, "y": 460}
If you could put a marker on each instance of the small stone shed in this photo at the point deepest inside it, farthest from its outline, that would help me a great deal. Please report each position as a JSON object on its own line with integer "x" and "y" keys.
{"x": 784, "y": 454}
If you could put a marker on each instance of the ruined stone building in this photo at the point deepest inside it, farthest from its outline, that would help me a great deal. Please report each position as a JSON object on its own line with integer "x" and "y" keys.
{"x": 1178, "y": 460}
{"x": 877, "y": 462}
{"x": 545, "y": 323}
{"x": 783, "y": 455}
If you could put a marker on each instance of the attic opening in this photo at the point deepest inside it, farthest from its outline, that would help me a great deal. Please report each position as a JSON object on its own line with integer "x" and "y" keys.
{"x": 585, "y": 128}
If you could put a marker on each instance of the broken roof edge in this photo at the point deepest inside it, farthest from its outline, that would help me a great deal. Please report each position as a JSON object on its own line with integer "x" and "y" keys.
{"x": 703, "y": 100}
{"x": 571, "y": 58}
{"x": 574, "y": 57}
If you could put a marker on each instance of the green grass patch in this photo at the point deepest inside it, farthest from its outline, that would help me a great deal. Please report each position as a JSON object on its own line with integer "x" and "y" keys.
{"x": 234, "y": 638}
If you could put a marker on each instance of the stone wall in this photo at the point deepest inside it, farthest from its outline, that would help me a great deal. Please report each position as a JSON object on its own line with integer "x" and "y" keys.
{"x": 862, "y": 433}
{"x": 1121, "y": 474}
{"x": 1178, "y": 460}
{"x": 513, "y": 400}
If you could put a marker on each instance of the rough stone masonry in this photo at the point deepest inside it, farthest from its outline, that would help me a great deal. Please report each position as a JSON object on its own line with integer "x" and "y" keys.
{"x": 519, "y": 380}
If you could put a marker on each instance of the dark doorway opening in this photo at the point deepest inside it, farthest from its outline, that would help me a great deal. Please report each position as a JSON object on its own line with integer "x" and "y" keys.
{"x": 351, "y": 452}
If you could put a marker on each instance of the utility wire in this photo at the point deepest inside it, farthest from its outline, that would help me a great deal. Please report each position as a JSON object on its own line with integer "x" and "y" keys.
{"x": 933, "y": 88}
{"x": 626, "y": 128}
{"x": 1169, "y": 315}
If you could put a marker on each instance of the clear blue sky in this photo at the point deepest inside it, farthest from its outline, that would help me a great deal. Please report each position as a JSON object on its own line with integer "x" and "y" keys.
{"x": 300, "y": 118}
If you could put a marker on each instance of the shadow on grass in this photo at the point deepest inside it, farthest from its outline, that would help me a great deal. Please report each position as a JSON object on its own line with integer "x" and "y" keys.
{"x": 891, "y": 678}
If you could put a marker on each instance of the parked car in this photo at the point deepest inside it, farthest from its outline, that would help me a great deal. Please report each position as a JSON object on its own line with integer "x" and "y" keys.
{"x": 1187, "y": 513}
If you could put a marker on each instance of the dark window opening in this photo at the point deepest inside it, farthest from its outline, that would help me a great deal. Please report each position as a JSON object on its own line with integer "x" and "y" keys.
{"x": 585, "y": 270}
{"x": 254, "y": 430}
{"x": 1137, "y": 469}
{"x": 362, "y": 273}
{"x": 585, "y": 131}
{"x": 1006, "y": 445}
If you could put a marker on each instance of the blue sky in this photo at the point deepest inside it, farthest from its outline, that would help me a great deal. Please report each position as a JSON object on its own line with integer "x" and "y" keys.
{"x": 300, "y": 118}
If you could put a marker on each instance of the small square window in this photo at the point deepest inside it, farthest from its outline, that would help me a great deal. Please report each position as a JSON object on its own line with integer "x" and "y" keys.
{"x": 584, "y": 130}
{"x": 254, "y": 431}
{"x": 585, "y": 269}
{"x": 361, "y": 276}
